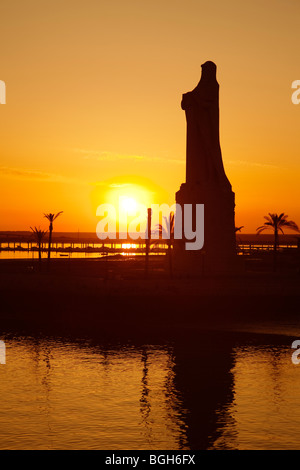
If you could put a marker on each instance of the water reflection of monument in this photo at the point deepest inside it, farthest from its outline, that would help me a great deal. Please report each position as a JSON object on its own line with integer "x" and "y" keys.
{"x": 204, "y": 385}
{"x": 206, "y": 181}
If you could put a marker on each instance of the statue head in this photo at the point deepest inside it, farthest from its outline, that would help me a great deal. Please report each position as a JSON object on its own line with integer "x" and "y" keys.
{"x": 209, "y": 71}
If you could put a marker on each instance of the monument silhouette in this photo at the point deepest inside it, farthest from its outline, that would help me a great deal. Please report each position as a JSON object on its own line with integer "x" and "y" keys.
{"x": 206, "y": 181}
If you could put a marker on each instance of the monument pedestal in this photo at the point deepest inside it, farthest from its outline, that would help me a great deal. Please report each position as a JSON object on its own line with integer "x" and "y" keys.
{"x": 218, "y": 255}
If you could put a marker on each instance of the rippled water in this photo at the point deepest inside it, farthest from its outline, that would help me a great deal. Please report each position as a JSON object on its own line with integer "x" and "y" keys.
{"x": 218, "y": 391}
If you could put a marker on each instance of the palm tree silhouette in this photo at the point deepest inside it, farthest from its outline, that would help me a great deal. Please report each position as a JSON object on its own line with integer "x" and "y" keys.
{"x": 168, "y": 233}
{"x": 51, "y": 218}
{"x": 276, "y": 223}
{"x": 39, "y": 235}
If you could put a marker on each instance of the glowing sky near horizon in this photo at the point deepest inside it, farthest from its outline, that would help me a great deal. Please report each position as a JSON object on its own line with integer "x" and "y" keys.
{"x": 93, "y": 99}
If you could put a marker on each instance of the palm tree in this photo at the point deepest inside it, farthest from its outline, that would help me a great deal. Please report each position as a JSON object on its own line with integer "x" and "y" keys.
{"x": 168, "y": 233}
{"x": 276, "y": 223}
{"x": 51, "y": 218}
{"x": 39, "y": 235}
{"x": 237, "y": 240}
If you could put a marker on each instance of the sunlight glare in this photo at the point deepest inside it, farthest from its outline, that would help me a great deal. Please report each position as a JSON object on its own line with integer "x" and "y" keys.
{"x": 128, "y": 204}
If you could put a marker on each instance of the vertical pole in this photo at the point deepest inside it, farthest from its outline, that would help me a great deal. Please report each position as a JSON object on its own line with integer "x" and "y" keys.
{"x": 148, "y": 239}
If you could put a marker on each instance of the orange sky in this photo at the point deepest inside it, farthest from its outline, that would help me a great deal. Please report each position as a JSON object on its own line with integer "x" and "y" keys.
{"x": 93, "y": 99}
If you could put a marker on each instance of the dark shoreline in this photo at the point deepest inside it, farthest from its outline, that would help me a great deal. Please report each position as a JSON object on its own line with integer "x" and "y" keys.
{"x": 114, "y": 298}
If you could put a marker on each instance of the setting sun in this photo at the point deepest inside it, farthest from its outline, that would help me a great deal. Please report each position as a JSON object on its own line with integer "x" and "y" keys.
{"x": 128, "y": 204}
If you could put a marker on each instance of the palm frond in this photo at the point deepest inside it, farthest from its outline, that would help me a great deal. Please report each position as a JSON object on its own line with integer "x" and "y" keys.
{"x": 51, "y": 217}
{"x": 56, "y": 215}
{"x": 289, "y": 224}
{"x": 38, "y": 233}
{"x": 261, "y": 229}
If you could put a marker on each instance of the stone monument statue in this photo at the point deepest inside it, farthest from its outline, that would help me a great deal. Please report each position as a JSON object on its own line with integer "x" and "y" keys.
{"x": 204, "y": 159}
{"x": 206, "y": 181}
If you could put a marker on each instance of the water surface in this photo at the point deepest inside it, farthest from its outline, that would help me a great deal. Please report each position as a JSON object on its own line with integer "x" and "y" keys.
{"x": 220, "y": 390}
